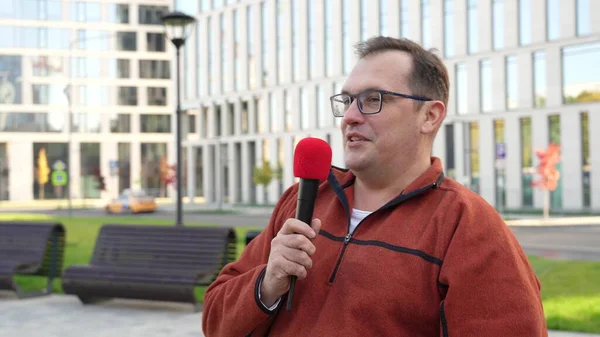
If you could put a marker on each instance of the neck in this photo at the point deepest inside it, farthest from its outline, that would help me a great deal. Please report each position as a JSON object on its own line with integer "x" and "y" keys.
{"x": 374, "y": 189}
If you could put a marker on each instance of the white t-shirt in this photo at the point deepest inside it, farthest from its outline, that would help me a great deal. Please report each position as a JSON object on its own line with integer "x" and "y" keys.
{"x": 356, "y": 217}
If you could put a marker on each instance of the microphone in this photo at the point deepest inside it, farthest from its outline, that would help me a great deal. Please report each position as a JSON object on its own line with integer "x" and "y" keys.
{"x": 312, "y": 162}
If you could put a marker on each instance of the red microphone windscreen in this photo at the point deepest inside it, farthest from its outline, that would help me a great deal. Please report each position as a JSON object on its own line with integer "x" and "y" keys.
{"x": 312, "y": 159}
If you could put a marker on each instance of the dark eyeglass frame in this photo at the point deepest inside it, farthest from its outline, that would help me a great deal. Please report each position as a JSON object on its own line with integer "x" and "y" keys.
{"x": 368, "y": 91}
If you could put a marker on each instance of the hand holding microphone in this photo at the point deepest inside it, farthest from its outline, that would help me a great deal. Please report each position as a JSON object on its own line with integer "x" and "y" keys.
{"x": 292, "y": 248}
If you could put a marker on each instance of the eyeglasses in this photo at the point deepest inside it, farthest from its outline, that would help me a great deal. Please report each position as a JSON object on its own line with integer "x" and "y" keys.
{"x": 369, "y": 101}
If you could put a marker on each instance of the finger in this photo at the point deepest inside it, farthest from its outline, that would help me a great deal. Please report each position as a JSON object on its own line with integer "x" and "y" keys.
{"x": 298, "y": 256}
{"x": 298, "y": 241}
{"x": 295, "y": 226}
{"x": 316, "y": 225}
{"x": 296, "y": 269}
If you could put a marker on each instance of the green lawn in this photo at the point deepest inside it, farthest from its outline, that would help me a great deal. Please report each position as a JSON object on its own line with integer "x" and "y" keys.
{"x": 570, "y": 289}
{"x": 570, "y": 293}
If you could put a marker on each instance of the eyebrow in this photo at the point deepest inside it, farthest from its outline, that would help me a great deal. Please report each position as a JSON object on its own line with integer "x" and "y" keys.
{"x": 344, "y": 91}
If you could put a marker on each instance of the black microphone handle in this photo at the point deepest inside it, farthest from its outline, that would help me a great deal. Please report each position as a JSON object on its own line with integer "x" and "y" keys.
{"x": 307, "y": 195}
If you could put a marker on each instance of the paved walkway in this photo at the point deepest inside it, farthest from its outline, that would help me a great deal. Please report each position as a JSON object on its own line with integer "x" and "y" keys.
{"x": 65, "y": 316}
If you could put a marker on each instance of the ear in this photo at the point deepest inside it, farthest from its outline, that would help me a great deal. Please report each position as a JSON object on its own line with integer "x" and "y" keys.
{"x": 435, "y": 112}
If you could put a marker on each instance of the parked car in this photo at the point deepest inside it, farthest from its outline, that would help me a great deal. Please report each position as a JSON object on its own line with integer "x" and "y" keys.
{"x": 132, "y": 201}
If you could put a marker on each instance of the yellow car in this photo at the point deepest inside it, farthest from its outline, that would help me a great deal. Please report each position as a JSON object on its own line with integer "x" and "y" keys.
{"x": 132, "y": 202}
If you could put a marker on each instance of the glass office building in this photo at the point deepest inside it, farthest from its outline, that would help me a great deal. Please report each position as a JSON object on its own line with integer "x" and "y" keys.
{"x": 258, "y": 75}
{"x": 84, "y": 86}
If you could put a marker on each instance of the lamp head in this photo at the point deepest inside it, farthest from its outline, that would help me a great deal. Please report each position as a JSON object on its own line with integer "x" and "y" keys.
{"x": 178, "y": 27}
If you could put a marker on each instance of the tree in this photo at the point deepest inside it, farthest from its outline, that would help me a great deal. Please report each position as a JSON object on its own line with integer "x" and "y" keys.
{"x": 548, "y": 173}
{"x": 263, "y": 175}
{"x": 43, "y": 171}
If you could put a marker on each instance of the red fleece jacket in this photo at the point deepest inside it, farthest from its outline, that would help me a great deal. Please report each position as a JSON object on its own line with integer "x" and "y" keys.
{"x": 437, "y": 260}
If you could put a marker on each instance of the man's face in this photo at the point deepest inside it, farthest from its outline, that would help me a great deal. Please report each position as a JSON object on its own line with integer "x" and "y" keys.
{"x": 390, "y": 138}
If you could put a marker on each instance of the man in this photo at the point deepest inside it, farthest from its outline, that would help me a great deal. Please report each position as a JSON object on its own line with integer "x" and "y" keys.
{"x": 395, "y": 248}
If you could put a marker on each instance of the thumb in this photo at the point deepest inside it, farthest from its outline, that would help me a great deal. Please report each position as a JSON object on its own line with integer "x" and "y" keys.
{"x": 316, "y": 225}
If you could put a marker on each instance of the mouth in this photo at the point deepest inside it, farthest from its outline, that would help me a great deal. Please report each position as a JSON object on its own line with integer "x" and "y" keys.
{"x": 355, "y": 138}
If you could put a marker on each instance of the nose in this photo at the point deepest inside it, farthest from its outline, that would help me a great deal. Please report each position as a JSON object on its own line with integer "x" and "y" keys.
{"x": 353, "y": 114}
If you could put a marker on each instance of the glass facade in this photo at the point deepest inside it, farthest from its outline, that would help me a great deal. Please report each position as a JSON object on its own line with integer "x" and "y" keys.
{"x": 581, "y": 76}
{"x": 486, "y": 82}
{"x": 472, "y": 27}
{"x": 152, "y": 153}
{"x": 512, "y": 82}
{"x": 462, "y": 90}
{"x": 585, "y": 159}
{"x": 89, "y": 155}
{"x": 4, "y": 172}
{"x": 500, "y": 166}
{"x": 527, "y": 170}
{"x": 524, "y": 22}
{"x": 49, "y": 158}
{"x": 539, "y": 79}
{"x": 554, "y": 138}
{"x": 449, "y": 28}
{"x": 498, "y": 24}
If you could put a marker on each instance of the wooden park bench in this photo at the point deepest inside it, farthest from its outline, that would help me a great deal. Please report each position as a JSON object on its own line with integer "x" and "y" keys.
{"x": 30, "y": 248}
{"x": 160, "y": 263}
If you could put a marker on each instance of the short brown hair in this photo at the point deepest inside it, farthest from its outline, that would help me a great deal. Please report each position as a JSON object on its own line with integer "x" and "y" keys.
{"x": 429, "y": 76}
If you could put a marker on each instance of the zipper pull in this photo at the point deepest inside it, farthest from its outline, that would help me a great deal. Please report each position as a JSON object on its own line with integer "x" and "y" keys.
{"x": 347, "y": 239}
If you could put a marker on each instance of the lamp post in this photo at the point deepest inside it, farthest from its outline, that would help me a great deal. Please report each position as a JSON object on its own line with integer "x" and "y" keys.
{"x": 177, "y": 28}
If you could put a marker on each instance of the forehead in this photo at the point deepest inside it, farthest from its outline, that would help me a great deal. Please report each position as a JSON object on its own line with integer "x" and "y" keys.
{"x": 387, "y": 70}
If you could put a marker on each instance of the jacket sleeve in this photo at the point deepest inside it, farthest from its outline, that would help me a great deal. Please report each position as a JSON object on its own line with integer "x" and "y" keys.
{"x": 491, "y": 288}
{"x": 231, "y": 304}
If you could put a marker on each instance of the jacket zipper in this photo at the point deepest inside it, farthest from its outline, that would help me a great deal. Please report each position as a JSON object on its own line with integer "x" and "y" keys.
{"x": 345, "y": 245}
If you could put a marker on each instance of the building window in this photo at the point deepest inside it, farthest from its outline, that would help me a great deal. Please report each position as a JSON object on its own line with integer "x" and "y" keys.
{"x": 425, "y": 24}
{"x": 127, "y": 96}
{"x": 85, "y": 122}
{"x": 364, "y": 13}
{"x": 49, "y": 160}
{"x": 527, "y": 170}
{"x": 4, "y": 173}
{"x": 581, "y": 76}
{"x": 289, "y": 122}
{"x": 120, "y": 123}
{"x": 155, "y": 123}
{"x": 157, "y": 96}
{"x": 224, "y": 52}
{"x": 245, "y": 118}
{"x": 155, "y": 69}
{"x": 500, "y": 172}
{"x": 31, "y": 122}
{"x": 524, "y": 22}
{"x": 512, "y": 82}
{"x": 498, "y": 24}
{"x": 237, "y": 61}
{"x": 151, "y": 15}
{"x": 552, "y": 19}
{"x": 89, "y": 154}
{"x": 323, "y": 109}
{"x": 126, "y": 41}
{"x": 485, "y": 77}
{"x": 383, "y": 17}
{"x": 264, "y": 17}
{"x": 329, "y": 60}
{"x": 118, "y": 13}
{"x": 304, "y": 109}
{"x": 152, "y": 155}
{"x": 583, "y": 17}
{"x": 124, "y": 164}
{"x": 346, "y": 41}
{"x": 40, "y": 93}
{"x": 155, "y": 42}
{"x": 539, "y": 79}
{"x": 472, "y": 27}
{"x": 84, "y": 11}
{"x": 462, "y": 90}
{"x": 274, "y": 112}
{"x": 404, "y": 18}
{"x": 554, "y": 138}
{"x": 252, "y": 80}
{"x": 585, "y": 159}
{"x": 450, "y": 165}
{"x": 449, "y": 28}
{"x": 281, "y": 64}
{"x": 120, "y": 68}
{"x": 473, "y": 155}
{"x": 312, "y": 36}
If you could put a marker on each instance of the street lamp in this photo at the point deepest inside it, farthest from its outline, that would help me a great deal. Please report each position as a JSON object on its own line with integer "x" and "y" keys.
{"x": 177, "y": 28}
